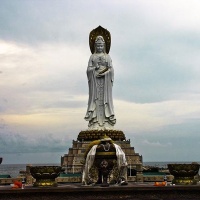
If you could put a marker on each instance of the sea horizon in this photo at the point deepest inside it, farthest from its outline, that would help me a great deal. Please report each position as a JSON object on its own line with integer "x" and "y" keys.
{"x": 14, "y": 169}
{"x": 40, "y": 163}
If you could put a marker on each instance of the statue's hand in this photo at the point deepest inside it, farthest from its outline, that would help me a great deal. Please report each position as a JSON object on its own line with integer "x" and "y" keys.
{"x": 102, "y": 74}
{"x": 97, "y": 67}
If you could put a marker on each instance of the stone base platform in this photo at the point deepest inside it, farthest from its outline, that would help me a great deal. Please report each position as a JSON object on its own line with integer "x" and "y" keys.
{"x": 72, "y": 161}
{"x": 91, "y": 135}
{"x": 134, "y": 191}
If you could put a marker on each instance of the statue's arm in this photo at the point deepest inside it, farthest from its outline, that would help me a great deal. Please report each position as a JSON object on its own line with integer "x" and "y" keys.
{"x": 92, "y": 64}
{"x": 110, "y": 70}
{"x": 109, "y": 61}
{"x": 90, "y": 67}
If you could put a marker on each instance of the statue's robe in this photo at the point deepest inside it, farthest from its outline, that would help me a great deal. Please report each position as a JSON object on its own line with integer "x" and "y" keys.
{"x": 100, "y": 112}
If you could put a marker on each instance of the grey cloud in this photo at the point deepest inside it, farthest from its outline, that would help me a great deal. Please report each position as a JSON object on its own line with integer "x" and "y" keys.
{"x": 2, "y": 124}
{"x": 156, "y": 71}
{"x": 40, "y": 21}
{"x": 178, "y": 143}
{"x": 156, "y": 144}
{"x": 65, "y": 104}
{"x": 19, "y": 143}
{"x": 14, "y": 142}
{"x": 69, "y": 82}
{"x": 157, "y": 64}
{"x": 138, "y": 42}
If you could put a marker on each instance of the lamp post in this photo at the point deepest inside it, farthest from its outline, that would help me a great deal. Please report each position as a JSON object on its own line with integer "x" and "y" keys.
{"x": 130, "y": 166}
{"x": 73, "y": 165}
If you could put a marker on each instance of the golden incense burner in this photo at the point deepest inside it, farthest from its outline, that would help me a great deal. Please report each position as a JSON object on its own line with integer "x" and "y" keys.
{"x": 45, "y": 175}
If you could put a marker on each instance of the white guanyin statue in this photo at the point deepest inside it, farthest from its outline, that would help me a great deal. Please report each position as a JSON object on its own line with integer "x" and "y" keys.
{"x": 100, "y": 73}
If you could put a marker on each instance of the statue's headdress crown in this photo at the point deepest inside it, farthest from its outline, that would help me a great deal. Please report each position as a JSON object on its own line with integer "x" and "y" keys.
{"x": 100, "y": 31}
{"x": 99, "y": 40}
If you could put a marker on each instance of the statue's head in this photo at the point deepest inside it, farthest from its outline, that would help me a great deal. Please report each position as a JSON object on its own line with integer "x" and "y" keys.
{"x": 99, "y": 44}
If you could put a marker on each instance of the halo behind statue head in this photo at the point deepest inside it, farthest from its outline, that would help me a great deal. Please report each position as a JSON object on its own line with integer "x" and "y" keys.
{"x": 100, "y": 31}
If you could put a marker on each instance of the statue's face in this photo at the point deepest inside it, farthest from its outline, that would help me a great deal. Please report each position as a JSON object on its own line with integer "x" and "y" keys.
{"x": 99, "y": 47}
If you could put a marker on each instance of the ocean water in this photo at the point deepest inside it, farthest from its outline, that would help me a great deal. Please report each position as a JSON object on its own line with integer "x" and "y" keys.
{"x": 14, "y": 169}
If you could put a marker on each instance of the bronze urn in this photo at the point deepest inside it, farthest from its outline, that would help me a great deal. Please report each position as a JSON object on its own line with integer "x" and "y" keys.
{"x": 184, "y": 173}
{"x": 45, "y": 175}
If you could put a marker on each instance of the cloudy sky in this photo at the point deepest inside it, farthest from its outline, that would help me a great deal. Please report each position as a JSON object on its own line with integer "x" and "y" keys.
{"x": 44, "y": 53}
